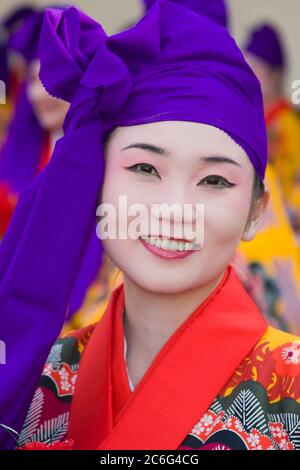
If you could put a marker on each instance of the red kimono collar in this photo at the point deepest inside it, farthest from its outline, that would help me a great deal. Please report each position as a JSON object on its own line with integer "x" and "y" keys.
{"x": 179, "y": 386}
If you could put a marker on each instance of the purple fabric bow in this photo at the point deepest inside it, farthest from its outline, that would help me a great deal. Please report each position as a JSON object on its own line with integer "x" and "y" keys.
{"x": 194, "y": 70}
{"x": 215, "y": 10}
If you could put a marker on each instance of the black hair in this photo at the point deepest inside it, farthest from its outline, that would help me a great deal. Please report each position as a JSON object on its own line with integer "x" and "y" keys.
{"x": 257, "y": 193}
{"x": 258, "y": 188}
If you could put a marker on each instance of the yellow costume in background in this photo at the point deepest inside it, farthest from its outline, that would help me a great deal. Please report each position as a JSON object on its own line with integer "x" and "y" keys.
{"x": 283, "y": 126}
{"x": 109, "y": 277}
{"x": 273, "y": 260}
{"x": 5, "y": 117}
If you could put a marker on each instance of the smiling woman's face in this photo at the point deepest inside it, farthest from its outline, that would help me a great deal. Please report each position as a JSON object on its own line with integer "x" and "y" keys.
{"x": 183, "y": 163}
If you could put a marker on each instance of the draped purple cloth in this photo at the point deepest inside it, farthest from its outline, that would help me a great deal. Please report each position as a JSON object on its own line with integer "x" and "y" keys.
{"x": 173, "y": 65}
{"x": 21, "y": 154}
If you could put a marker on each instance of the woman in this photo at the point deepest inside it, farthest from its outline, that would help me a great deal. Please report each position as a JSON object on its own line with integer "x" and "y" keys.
{"x": 166, "y": 104}
{"x": 109, "y": 277}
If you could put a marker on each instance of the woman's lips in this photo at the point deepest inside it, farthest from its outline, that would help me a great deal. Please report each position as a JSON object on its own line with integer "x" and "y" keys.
{"x": 164, "y": 253}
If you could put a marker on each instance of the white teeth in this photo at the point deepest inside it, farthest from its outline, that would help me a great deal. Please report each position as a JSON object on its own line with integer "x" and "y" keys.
{"x": 164, "y": 244}
{"x": 158, "y": 243}
{"x": 171, "y": 245}
{"x": 181, "y": 246}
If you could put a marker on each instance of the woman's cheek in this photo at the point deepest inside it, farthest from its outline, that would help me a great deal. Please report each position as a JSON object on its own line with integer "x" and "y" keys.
{"x": 225, "y": 221}
{"x": 126, "y": 200}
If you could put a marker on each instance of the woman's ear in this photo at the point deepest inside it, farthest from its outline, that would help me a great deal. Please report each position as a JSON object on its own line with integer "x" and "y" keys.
{"x": 256, "y": 217}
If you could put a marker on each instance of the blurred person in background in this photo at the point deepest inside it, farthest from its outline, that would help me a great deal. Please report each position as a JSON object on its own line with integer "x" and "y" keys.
{"x": 12, "y": 71}
{"x": 266, "y": 54}
{"x": 272, "y": 263}
{"x": 11, "y": 66}
{"x": 36, "y": 123}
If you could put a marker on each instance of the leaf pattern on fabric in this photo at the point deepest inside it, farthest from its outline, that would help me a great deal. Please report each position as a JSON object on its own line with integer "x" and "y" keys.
{"x": 248, "y": 414}
{"x": 248, "y": 409}
{"x": 33, "y": 417}
{"x": 291, "y": 424}
{"x": 216, "y": 407}
{"x": 55, "y": 354}
{"x": 52, "y": 430}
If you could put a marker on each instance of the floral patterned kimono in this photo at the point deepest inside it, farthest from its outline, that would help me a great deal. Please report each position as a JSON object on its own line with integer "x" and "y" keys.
{"x": 224, "y": 380}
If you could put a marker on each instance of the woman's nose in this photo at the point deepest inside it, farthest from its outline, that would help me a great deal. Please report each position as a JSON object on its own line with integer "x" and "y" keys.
{"x": 175, "y": 203}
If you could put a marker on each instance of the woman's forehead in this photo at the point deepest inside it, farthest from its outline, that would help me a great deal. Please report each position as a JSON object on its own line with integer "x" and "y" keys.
{"x": 179, "y": 137}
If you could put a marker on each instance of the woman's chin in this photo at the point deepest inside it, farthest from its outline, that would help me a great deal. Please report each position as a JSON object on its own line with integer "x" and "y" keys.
{"x": 157, "y": 283}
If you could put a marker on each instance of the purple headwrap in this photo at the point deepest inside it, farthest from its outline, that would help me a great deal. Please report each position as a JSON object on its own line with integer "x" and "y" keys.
{"x": 215, "y": 10}
{"x": 265, "y": 42}
{"x": 173, "y": 65}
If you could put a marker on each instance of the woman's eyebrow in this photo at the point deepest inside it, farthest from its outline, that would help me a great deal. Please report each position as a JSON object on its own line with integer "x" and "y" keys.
{"x": 220, "y": 160}
{"x": 148, "y": 148}
{"x": 163, "y": 152}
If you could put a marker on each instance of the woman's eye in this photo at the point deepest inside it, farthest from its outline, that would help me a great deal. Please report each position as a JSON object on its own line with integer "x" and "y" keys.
{"x": 216, "y": 181}
{"x": 144, "y": 168}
